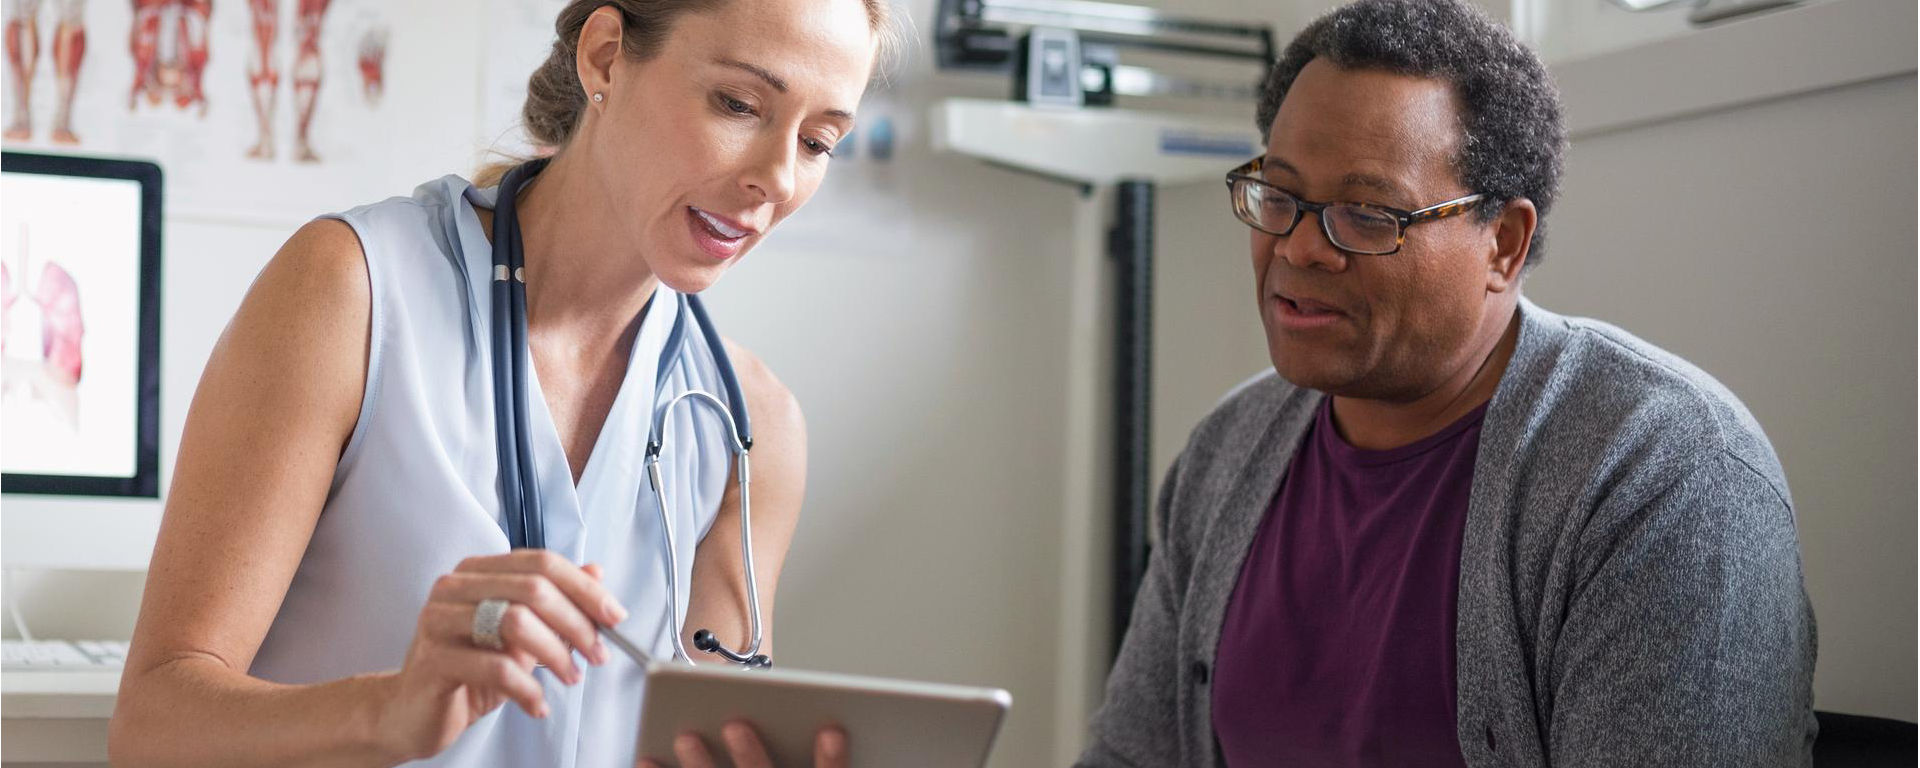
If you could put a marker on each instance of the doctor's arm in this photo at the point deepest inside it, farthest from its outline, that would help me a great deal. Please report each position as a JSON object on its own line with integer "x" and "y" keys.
{"x": 276, "y": 405}
{"x": 242, "y": 505}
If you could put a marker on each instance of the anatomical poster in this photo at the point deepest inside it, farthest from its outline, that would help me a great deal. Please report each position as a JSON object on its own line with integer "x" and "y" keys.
{"x": 256, "y": 110}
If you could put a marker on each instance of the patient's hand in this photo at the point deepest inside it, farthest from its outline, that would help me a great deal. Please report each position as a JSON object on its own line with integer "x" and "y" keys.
{"x": 743, "y": 745}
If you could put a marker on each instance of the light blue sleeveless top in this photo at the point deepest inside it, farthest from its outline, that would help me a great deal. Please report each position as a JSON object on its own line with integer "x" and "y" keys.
{"x": 416, "y": 490}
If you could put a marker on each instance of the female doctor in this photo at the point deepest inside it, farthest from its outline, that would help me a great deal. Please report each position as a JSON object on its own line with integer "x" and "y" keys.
{"x": 336, "y": 528}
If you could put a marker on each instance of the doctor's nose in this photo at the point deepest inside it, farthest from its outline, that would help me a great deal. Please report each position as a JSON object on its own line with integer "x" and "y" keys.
{"x": 770, "y": 171}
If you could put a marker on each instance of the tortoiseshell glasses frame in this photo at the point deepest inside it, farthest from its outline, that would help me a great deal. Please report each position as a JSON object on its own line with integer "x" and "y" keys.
{"x": 1358, "y": 228}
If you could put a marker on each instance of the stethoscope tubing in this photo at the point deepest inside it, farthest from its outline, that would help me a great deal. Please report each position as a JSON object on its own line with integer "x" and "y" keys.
{"x": 743, "y": 473}
{"x": 508, "y": 389}
{"x": 534, "y": 512}
{"x": 525, "y": 518}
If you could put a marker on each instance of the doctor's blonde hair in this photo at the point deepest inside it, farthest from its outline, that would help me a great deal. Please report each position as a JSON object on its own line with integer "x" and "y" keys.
{"x": 555, "y": 98}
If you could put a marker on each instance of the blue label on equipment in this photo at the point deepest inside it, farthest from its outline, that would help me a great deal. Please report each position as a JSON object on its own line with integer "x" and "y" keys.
{"x": 1205, "y": 145}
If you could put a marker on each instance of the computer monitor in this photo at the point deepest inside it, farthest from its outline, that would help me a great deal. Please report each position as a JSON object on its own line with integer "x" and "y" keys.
{"x": 80, "y": 289}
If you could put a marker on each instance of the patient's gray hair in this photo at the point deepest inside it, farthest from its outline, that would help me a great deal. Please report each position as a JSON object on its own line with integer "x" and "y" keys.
{"x": 1513, "y": 140}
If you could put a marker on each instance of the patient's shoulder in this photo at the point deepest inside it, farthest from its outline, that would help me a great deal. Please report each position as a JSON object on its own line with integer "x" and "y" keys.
{"x": 1243, "y": 418}
{"x": 1247, "y": 432}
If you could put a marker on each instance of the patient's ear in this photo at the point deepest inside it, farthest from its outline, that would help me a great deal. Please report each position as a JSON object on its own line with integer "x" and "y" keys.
{"x": 1512, "y": 240}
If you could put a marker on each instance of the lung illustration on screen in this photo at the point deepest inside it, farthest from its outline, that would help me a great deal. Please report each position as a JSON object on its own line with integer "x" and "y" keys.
{"x": 72, "y": 325}
{"x": 40, "y": 336}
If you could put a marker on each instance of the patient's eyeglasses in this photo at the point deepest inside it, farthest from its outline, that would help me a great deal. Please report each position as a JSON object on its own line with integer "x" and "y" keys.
{"x": 1373, "y": 230}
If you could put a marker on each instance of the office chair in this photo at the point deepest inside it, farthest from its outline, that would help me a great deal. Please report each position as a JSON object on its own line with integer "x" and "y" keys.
{"x": 1859, "y": 741}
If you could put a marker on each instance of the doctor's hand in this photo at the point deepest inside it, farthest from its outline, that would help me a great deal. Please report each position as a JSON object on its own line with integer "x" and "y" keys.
{"x": 744, "y": 747}
{"x": 449, "y": 681}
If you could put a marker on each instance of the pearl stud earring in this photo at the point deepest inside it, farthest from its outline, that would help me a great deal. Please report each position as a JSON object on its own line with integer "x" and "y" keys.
{"x": 599, "y": 97}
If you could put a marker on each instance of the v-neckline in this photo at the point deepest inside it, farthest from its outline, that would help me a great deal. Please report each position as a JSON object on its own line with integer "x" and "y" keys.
{"x": 611, "y": 449}
{"x": 615, "y": 419}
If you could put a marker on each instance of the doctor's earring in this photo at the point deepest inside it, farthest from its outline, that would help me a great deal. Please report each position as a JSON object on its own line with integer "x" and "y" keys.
{"x": 599, "y": 97}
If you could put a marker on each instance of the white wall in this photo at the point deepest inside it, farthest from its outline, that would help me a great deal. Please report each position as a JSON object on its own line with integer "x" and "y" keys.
{"x": 1207, "y": 335}
{"x": 1572, "y": 29}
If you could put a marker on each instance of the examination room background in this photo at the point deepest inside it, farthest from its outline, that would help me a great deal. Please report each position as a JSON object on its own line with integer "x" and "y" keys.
{"x": 1741, "y": 195}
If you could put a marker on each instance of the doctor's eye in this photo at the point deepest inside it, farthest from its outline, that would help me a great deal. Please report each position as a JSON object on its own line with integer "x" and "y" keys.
{"x": 817, "y": 147}
{"x": 732, "y": 105}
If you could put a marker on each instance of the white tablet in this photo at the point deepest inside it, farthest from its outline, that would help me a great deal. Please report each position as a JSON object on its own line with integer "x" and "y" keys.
{"x": 888, "y": 722}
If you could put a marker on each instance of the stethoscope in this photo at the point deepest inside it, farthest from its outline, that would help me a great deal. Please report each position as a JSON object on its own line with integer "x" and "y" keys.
{"x": 524, "y": 521}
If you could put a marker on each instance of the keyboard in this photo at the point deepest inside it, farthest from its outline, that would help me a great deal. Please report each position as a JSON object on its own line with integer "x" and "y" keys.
{"x": 59, "y": 655}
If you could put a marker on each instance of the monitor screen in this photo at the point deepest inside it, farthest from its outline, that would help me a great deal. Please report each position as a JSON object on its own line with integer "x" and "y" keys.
{"x": 79, "y": 285}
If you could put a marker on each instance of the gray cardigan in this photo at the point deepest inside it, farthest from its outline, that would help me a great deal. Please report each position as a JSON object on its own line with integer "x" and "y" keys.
{"x": 1630, "y": 589}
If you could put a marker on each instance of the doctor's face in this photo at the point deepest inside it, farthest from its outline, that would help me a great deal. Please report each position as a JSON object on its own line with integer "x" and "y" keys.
{"x": 728, "y": 129}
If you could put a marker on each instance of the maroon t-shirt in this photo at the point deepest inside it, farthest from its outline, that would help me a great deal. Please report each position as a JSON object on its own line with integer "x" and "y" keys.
{"x": 1337, "y": 648}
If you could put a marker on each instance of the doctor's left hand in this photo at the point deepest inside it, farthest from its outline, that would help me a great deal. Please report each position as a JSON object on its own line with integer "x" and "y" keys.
{"x": 746, "y": 751}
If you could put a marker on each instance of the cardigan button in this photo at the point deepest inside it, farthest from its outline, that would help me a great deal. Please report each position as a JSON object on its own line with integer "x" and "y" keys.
{"x": 1200, "y": 672}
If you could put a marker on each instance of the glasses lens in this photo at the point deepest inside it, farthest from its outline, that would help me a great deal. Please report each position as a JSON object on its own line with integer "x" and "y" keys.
{"x": 1262, "y": 207}
{"x": 1363, "y": 230}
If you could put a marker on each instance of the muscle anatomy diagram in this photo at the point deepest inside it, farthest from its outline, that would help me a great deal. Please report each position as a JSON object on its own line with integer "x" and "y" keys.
{"x": 69, "y": 46}
{"x": 263, "y": 73}
{"x": 170, "y": 48}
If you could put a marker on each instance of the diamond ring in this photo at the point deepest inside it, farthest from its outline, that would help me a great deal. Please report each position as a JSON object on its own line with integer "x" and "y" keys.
{"x": 486, "y": 624}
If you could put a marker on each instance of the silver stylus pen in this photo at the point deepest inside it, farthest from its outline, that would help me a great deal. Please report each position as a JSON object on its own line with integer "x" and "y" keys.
{"x": 626, "y": 646}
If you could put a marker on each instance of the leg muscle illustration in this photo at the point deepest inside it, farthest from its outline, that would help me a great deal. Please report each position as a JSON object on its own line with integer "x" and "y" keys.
{"x": 306, "y": 75}
{"x": 23, "y": 53}
{"x": 373, "y": 62}
{"x": 69, "y": 49}
{"x": 263, "y": 79}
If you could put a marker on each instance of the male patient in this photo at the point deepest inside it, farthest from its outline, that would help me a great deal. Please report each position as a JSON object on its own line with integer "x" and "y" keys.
{"x": 1451, "y": 527}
